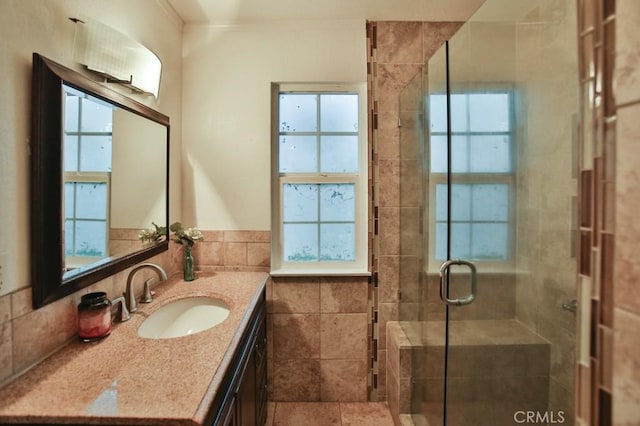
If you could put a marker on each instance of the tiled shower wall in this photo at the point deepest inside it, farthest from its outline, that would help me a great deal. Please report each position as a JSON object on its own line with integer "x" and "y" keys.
{"x": 608, "y": 370}
{"x": 547, "y": 104}
{"x": 398, "y": 51}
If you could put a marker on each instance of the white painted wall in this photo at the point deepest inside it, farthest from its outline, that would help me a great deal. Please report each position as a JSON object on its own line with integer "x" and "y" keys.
{"x": 227, "y": 74}
{"x": 138, "y": 172}
{"x": 28, "y": 26}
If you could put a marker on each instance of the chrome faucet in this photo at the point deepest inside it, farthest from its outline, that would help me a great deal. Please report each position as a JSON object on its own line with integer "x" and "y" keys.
{"x": 130, "y": 294}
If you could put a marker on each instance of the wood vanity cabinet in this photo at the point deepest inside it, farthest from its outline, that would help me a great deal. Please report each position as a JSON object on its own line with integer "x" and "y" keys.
{"x": 242, "y": 398}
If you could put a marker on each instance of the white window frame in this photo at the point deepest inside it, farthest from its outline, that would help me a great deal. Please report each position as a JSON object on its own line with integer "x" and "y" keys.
{"x": 359, "y": 266}
{"x": 508, "y": 178}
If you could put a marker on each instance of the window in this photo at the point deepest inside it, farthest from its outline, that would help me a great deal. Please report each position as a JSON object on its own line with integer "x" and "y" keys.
{"x": 482, "y": 176}
{"x": 87, "y": 170}
{"x": 319, "y": 190}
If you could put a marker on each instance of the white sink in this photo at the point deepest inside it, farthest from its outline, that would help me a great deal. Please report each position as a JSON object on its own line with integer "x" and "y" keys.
{"x": 184, "y": 317}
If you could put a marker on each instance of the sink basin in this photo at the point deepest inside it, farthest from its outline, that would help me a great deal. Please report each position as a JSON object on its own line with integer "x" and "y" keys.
{"x": 184, "y": 317}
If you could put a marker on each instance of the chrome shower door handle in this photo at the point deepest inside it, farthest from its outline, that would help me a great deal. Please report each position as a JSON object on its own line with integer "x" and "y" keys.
{"x": 444, "y": 283}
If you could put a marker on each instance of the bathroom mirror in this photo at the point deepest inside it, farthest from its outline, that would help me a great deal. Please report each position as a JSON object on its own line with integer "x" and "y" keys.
{"x": 99, "y": 174}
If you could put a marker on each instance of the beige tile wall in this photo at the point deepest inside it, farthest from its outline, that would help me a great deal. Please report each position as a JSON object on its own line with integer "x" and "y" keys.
{"x": 623, "y": 362}
{"x": 546, "y": 104}
{"x": 398, "y": 52}
{"x": 233, "y": 251}
{"x": 399, "y": 370}
{"x": 318, "y": 329}
{"x": 609, "y": 49}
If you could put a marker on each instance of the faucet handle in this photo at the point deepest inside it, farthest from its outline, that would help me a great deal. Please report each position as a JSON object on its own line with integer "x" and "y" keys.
{"x": 147, "y": 294}
{"x": 122, "y": 314}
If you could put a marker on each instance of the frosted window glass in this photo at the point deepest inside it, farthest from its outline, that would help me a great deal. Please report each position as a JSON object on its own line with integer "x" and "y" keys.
{"x": 337, "y": 242}
{"x": 300, "y": 202}
{"x": 298, "y": 112}
{"x": 70, "y": 153}
{"x": 69, "y": 200}
{"x": 338, "y": 113}
{"x": 95, "y": 153}
{"x": 91, "y": 200}
{"x": 460, "y": 202}
{"x": 490, "y": 241}
{"x": 438, "y": 113}
{"x": 441, "y": 241}
{"x": 438, "y": 154}
{"x": 490, "y": 154}
{"x": 480, "y": 143}
{"x": 490, "y": 202}
{"x": 339, "y": 154}
{"x": 489, "y": 112}
{"x": 96, "y": 116}
{"x": 90, "y": 238}
{"x": 68, "y": 237}
{"x": 298, "y": 154}
{"x": 71, "y": 113}
{"x": 337, "y": 202}
{"x": 300, "y": 242}
{"x": 459, "y": 154}
{"x": 441, "y": 202}
{"x": 460, "y": 240}
{"x": 459, "y": 113}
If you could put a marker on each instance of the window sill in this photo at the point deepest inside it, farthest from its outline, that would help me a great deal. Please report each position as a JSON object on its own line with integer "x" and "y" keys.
{"x": 319, "y": 272}
{"x": 480, "y": 270}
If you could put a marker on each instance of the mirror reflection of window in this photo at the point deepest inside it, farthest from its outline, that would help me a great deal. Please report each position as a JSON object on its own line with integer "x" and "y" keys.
{"x": 87, "y": 175}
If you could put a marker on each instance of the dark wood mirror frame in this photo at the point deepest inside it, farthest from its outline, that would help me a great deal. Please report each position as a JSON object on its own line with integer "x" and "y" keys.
{"x": 47, "y": 252}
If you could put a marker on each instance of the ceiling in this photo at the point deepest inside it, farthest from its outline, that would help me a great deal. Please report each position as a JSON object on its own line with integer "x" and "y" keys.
{"x": 225, "y": 12}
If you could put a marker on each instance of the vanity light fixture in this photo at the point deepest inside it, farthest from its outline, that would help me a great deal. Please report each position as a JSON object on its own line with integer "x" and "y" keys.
{"x": 119, "y": 58}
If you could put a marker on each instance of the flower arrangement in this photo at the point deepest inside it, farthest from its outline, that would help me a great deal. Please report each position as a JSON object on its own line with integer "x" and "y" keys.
{"x": 185, "y": 236}
{"x": 153, "y": 235}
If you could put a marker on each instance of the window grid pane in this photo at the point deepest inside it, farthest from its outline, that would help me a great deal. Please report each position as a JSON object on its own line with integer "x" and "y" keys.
{"x": 485, "y": 139}
{"x": 85, "y": 219}
{"x": 486, "y": 241}
{"x": 298, "y": 112}
{"x": 318, "y": 218}
{"x": 87, "y": 150}
{"x": 298, "y": 154}
{"x": 335, "y": 141}
{"x": 318, "y": 222}
{"x": 481, "y": 144}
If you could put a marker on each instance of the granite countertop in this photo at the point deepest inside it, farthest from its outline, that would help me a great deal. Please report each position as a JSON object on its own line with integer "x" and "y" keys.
{"x": 126, "y": 379}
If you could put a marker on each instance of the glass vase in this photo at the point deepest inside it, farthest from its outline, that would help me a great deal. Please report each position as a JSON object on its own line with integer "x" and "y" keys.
{"x": 188, "y": 264}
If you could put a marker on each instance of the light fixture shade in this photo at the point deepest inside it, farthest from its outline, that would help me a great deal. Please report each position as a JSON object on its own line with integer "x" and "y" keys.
{"x": 107, "y": 51}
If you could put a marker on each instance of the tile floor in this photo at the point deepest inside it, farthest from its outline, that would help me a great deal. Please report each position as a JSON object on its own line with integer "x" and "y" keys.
{"x": 329, "y": 414}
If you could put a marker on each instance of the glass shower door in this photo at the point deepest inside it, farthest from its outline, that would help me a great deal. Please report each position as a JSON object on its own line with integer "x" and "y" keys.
{"x": 488, "y": 354}
{"x": 499, "y": 103}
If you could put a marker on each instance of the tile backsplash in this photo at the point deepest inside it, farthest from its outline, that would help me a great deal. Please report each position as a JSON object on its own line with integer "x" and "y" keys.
{"x": 27, "y": 336}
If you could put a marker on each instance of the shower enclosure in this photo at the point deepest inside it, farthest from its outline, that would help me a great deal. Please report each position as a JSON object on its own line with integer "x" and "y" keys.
{"x": 491, "y": 159}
